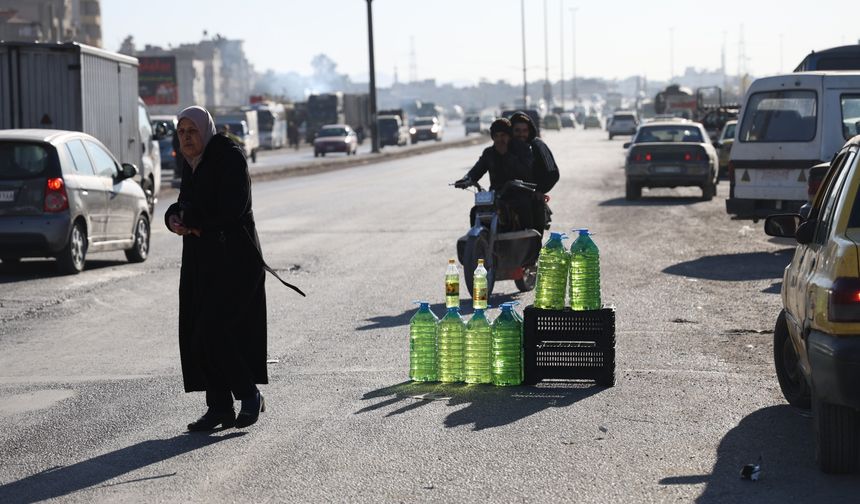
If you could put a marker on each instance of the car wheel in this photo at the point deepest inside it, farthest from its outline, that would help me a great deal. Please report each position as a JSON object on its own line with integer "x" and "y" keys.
{"x": 709, "y": 190}
{"x": 316, "y": 154}
{"x": 140, "y": 250}
{"x": 836, "y": 437}
{"x": 610, "y": 136}
{"x": 527, "y": 282}
{"x": 254, "y": 156}
{"x": 791, "y": 380}
{"x": 633, "y": 191}
{"x": 322, "y": 154}
{"x": 73, "y": 256}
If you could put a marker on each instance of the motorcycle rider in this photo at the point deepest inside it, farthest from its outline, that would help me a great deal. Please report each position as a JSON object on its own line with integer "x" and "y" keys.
{"x": 544, "y": 171}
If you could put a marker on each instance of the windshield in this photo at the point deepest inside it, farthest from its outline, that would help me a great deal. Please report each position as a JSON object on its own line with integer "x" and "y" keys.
{"x": 729, "y": 133}
{"x": 679, "y": 133}
{"x": 780, "y": 116}
{"x": 22, "y": 160}
{"x": 386, "y": 125}
{"x": 850, "y": 105}
{"x": 472, "y": 119}
{"x": 332, "y": 132}
{"x": 424, "y": 122}
{"x": 623, "y": 118}
{"x": 235, "y": 128}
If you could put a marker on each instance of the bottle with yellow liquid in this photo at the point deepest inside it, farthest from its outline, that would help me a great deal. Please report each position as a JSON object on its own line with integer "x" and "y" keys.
{"x": 452, "y": 285}
{"x": 479, "y": 287}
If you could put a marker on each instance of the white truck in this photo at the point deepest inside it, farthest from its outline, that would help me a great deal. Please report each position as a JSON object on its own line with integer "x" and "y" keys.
{"x": 243, "y": 124}
{"x": 76, "y": 87}
{"x": 788, "y": 124}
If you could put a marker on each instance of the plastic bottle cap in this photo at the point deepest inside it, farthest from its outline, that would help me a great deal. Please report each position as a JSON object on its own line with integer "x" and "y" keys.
{"x": 450, "y": 261}
{"x": 454, "y": 308}
{"x": 480, "y": 261}
{"x": 422, "y": 304}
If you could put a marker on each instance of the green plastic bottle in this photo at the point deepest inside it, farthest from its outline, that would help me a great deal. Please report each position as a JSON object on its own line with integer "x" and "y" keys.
{"x": 450, "y": 338}
{"x": 452, "y": 285}
{"x": 479, "y": 286}
{"x": 584, "y": 273}
{"x": 477, "y": 365}
{"x": 422, "y": 344}
{"x": 507, "y": 334}
{"x": 553, "y": 267}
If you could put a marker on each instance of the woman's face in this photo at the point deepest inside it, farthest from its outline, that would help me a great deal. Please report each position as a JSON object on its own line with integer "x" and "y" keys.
{"x": 190, "y": 138}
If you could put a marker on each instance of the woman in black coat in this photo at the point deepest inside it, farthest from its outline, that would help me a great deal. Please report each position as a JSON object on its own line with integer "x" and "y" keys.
{"x": 222, "y": 297}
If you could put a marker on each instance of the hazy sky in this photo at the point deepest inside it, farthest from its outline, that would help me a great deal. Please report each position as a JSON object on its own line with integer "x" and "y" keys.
{"x": 463, "y": 41}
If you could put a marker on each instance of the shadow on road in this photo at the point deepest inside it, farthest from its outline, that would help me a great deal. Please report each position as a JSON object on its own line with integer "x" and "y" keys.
{"x": 402, "y": 319}
{"x": 652, "y": 201}
{"x": 31, "y": 270}
{"x": 735, "y": 267}
{"x": 64, "y": 480}
{"x": 487, "y": 406}
{"x": 783, "y": 440}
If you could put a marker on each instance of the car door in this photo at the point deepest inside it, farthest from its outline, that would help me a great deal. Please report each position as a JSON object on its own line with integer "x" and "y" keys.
{"x": 121, "y": 204}
{"x": 813, "y": 261}
{"x": 92, "y": 191}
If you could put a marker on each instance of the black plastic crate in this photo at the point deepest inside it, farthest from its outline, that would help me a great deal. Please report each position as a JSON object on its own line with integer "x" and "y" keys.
{"x": 569, "y": 345}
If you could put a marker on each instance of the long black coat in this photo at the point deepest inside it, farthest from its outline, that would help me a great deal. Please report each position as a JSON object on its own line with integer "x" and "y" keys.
{"x": 222, "y": 297}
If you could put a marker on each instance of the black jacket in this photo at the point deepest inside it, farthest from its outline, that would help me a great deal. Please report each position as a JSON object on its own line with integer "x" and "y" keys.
{"x": 222, "y": 297}
{"x": 544, "y": 168}
{"x": 501, "y": 167}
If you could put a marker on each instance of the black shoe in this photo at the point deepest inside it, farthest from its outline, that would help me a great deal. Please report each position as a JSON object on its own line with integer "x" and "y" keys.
{"x": 212, "y": 419}
{"x": 251, "y": 409}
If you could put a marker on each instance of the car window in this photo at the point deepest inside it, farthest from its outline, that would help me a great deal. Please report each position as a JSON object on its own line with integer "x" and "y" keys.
{"x": 22, "y": 160}
{"x": 102, "y": 161}
{"x": 730, "y": 131}
{"x": 825, "y": 222}
{"x": 780, "y": 116}
{"x": 850, "y": 105}
{"x": 80, "y": 159}
{"x": 679, "y": 133}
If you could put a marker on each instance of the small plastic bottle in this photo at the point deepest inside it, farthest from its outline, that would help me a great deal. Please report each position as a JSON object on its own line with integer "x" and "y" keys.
{"x": 452, "y": 285}
{"x": 479, "y": 286}
{"x": 422, "y": 344}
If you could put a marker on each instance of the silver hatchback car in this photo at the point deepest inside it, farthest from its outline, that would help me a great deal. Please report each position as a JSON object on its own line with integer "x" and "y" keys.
{"x": 64, "y": 195}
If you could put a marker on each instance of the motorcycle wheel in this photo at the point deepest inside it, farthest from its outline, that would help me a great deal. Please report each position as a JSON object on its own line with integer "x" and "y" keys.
{"x": 529, "y": 279}
{"x": 477, "y": 247}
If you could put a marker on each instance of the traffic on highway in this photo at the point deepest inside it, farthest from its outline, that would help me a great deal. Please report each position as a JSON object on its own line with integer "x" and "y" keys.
{"x": 567, "y": 290}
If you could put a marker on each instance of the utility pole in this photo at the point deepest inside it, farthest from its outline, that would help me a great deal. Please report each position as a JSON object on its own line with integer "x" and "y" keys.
{"x": 374, "y": 137}
{"x": 561, "y": 48}
{"x": 573, "y": 19}
{"x": 671, "y": 54}
{"x": 547, "y": 87}
{"x": 525, "y": 81}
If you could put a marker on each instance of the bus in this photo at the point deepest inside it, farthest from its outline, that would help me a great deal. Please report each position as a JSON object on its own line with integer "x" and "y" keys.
{"x": 272, "y": 123}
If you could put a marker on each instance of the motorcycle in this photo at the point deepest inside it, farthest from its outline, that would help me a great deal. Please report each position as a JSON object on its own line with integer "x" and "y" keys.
{"x": 507, "y": 254}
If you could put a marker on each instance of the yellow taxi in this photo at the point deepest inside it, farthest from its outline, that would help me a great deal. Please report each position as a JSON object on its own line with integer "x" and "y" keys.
{"x": 816, "y": 341}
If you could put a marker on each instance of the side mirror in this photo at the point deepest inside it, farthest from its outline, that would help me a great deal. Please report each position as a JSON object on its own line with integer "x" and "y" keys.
{"x": 627, "y": 145}
{"x": 782, "y": 225}
{"x": 128, "y": 171}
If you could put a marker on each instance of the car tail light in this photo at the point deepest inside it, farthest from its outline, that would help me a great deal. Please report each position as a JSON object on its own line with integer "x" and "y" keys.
{"x": 56, "y": 199}
{"x": 688, "y": 156}
{"x": 173, "y": 153}
{"x": 844, "y": 300}
{"x": 647, "y": 156}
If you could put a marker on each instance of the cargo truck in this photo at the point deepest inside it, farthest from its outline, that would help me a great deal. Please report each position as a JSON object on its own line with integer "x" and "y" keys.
{"x": 70, "y": 86}
{"x": 338, "y": 108}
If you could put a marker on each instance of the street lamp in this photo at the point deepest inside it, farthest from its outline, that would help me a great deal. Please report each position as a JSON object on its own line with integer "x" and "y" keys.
{"x": 561, "y": 37}
{"x": 373, "y": 137}
{"x": 525, "y": 81}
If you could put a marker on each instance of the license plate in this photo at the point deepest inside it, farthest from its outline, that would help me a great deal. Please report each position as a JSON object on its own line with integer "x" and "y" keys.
{"x": 484, "y": 197}
{"x": 667, "y": 169}
{"x": 6, "y": 196}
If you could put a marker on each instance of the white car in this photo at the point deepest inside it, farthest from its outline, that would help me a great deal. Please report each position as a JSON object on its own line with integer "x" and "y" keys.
{"x": 335, "y": 138}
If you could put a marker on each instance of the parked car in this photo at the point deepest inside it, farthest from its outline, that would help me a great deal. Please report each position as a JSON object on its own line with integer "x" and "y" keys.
{"x": 335, "y": 138}
{"x": 816, "y": 341}
{"x": 475, "y": 124}
{"x": 552, "y": 121}
{"x": 426, "y": 128}
{"x": 591, "y": 121}
{"x": 165, "y": 127}
{"x": 671, "y": 154}
{"x": 64, "y": 195}
{"x": 568, "y": 120}
{"x": 724, "y": 146}
{"x": 622, "y": 123}
{"x": 391, "y": 130}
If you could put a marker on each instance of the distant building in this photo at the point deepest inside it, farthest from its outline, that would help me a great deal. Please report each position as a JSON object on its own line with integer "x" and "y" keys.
{"x": 51, "y": 21}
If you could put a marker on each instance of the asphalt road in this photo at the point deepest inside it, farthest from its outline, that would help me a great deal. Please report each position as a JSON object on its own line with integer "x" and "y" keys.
{"x": 91, "y": 398}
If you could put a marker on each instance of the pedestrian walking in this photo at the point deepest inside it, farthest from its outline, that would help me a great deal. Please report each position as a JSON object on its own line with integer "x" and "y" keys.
{"x": 222, "y": 297}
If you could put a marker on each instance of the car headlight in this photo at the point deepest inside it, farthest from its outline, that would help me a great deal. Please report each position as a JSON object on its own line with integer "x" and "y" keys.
{"x": 412, "y": 131}
{"x": 346, "y": 140}
{"x": 434, "y": 129}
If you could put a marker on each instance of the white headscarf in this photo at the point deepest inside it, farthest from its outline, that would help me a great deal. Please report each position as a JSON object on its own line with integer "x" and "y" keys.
{"x": 205, "y": 125}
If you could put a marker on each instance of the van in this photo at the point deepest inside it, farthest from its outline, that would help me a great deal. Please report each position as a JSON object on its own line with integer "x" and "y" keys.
{"x": 789, "y": 123}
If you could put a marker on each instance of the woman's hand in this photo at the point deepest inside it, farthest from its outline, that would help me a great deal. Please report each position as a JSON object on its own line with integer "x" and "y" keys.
{"x": 176, "y": 225}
